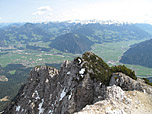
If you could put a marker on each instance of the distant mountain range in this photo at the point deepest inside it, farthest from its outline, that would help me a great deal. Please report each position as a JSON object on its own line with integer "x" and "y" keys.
{"x": 56, "y": 32}
{"x": 5, "y": 25}
{"x": 139, "y": 54}
{"x": 145, "y": 27}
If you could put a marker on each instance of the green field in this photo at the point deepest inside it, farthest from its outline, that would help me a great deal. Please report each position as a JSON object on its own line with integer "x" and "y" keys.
{"x": 109, "y": 52}
{"x": 112, "y": 52}
{"x": 141, "y": 71}
{"x": 31, "y": 58}
{"x": 12, "y": 72}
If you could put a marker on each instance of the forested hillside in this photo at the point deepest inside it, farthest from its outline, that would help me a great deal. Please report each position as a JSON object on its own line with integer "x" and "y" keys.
{"x": 139, "y": 54}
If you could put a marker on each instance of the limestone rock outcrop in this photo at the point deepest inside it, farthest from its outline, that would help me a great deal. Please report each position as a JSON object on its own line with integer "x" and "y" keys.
{"x": 50, "y": 91}
{"x": 75, "y": 88}
{"x": 129, "y": 84}
{"x": 121, "y": 102}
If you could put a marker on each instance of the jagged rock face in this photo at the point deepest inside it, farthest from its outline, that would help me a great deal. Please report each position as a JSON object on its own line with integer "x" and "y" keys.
{"x": 77, "y": 84}
{"x": 49, "y": 91}
{"x": 121, "y": 102}
{"x": 127, "y": 83}
{"x": 115, "y": 92}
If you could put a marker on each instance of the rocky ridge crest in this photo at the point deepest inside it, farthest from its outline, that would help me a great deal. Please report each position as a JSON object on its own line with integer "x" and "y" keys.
{"x": 78, "y": 83}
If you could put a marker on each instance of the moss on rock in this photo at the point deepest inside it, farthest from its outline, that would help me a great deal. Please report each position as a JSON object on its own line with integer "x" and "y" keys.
{"x": 97, "y": 68}
{"x": 147, "y": 81}
{"x": 125, "y": 70}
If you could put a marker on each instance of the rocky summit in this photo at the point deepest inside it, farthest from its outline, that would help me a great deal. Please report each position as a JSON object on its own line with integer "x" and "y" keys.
{"x": 85, "y": 85}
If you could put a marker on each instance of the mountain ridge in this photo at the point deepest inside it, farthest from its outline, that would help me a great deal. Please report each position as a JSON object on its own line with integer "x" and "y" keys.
{"x": 71, "y": 88}
{"x": 72, "y": 43}
{"x": 98, "y": 33}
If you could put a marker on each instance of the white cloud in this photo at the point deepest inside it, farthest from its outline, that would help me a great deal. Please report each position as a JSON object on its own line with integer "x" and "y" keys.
{"x": 38, "y": 13}
{"x": 43, "y": 10}
{"x": 0, "y": 19}
{"x": 43, "y": 13}
{"x": 121, "y": 10}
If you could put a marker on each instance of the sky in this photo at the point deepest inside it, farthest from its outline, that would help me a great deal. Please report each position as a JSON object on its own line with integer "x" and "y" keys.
{"x": 138, "y": 11}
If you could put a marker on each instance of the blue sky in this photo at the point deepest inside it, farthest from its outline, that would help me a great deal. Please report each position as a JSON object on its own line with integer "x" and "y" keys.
{"x": 62, "y": 10}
